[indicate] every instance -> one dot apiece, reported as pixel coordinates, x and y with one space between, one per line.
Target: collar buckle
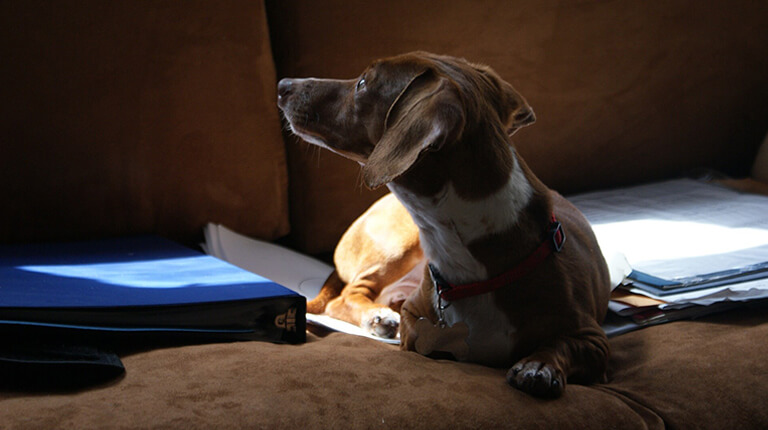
441 285
557 235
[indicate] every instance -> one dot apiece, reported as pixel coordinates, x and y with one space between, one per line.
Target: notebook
140 286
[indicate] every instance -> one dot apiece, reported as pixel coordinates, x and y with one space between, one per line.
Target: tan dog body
379 250
435 131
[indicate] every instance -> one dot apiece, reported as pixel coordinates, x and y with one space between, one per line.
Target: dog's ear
514 111
520 112
424 116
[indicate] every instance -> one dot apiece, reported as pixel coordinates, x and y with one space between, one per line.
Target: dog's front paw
381 322
537 378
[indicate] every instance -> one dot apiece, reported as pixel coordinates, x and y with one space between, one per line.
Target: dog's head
401 108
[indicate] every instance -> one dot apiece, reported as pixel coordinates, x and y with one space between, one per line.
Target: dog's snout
284 88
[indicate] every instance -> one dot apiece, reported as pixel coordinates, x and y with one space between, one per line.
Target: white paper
345 327
741 292
683 228
680 228
289 268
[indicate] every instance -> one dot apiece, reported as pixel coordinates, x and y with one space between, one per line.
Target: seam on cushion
651 418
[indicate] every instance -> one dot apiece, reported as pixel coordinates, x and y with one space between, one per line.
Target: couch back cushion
122 117
623 91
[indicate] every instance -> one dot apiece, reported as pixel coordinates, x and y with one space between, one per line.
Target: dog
513 277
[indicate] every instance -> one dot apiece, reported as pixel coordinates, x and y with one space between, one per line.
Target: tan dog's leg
379 248
330 290
356 304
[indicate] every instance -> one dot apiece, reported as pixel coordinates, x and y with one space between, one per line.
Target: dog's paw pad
382 322
536 378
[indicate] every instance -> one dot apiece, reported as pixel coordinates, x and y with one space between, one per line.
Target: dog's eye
360 84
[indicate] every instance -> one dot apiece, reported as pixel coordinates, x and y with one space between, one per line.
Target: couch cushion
126 117
709 373
695 374
623 91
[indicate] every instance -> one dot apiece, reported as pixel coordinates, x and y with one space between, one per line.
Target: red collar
555 238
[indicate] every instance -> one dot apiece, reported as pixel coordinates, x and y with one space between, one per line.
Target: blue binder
141 285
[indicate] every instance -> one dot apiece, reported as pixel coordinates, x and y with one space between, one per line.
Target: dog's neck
471 237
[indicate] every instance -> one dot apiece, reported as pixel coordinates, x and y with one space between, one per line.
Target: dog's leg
357 305
354 303
329 291
379 249
580 357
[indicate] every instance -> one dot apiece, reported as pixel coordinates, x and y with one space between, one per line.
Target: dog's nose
283 89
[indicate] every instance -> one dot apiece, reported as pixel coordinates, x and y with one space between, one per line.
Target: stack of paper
689 243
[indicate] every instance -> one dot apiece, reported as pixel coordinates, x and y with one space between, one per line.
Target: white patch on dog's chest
447 224
444 231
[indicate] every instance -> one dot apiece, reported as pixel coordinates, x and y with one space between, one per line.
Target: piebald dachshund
508 273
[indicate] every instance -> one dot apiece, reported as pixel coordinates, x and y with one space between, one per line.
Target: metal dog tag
442 338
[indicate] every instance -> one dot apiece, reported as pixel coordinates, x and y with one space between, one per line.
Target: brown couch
127 117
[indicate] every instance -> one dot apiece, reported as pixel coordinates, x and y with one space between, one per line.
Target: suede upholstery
121 117
700 374
125 117
623 91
